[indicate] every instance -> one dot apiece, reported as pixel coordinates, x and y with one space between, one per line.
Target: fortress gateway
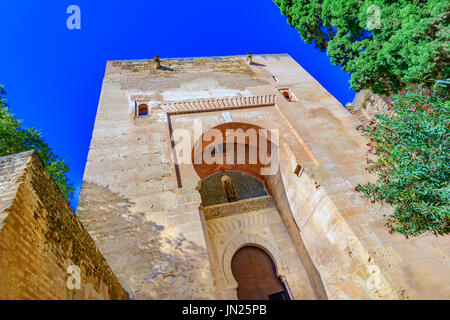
282 222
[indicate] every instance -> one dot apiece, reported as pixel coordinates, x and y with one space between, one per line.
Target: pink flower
399 139
425 106
413 109
389 106
368 150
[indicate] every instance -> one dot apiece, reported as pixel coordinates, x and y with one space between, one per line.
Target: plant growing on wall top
383 44
15 138
409 150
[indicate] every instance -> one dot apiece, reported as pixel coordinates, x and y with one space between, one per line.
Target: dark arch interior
238 186
255 273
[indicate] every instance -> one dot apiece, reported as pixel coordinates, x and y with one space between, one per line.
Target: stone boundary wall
366 104
42 243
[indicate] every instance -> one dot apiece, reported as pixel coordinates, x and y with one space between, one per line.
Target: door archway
256 276
277 154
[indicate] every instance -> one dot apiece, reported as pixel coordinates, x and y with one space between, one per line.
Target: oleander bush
409 150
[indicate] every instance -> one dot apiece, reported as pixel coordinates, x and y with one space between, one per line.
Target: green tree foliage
15 138
409 43
409 150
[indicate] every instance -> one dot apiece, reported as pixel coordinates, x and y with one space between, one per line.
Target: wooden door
255 274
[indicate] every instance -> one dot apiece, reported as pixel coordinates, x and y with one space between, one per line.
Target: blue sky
53 75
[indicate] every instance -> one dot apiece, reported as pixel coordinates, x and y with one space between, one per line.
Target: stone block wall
142 209
42 243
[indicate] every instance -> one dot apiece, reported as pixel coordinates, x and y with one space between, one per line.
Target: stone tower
172 224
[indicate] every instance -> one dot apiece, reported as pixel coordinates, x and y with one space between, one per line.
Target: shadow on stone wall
151 261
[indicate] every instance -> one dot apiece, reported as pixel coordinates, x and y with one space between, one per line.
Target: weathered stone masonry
40 237
146 214
168 230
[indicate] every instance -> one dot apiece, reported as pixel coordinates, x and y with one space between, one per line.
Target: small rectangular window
142 110
288 95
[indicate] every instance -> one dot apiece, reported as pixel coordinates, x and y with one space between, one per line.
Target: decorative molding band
238 207
240 222
209 105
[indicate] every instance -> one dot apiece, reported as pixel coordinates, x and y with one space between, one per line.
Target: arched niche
228 186
250 240
251 148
